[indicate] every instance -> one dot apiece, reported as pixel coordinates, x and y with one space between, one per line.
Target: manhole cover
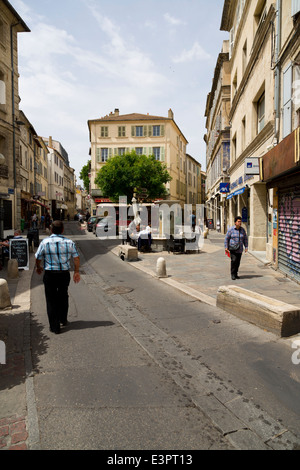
118 290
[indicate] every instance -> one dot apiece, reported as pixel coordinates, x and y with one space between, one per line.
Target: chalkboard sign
19 249
210 224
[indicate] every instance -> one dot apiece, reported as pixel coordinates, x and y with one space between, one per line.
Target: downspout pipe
277 67
13 118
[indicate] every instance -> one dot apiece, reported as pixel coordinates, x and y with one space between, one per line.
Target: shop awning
237 192
34 201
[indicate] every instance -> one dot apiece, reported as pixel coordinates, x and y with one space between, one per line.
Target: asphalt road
142 366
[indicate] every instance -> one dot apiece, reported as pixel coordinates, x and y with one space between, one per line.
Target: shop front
280 168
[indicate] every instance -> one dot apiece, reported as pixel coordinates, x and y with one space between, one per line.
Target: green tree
84 175
123 174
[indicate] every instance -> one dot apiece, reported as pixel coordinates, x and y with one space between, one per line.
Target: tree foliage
123 174
84 175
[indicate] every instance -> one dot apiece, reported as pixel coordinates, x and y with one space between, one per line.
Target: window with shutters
139 150
156 153
104 155
139 131
121 131
156 131
104 131
287 101
261 113
2 91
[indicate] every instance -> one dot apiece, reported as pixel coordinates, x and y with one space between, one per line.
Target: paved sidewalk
201 274
16 392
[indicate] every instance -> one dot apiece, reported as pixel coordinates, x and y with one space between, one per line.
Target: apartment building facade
11 24
264 126
33 171
117 134
280 166
217 139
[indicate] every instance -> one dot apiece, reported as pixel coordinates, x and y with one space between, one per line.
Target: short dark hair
238 218
57 227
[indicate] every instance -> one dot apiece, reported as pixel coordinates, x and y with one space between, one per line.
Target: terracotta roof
131 117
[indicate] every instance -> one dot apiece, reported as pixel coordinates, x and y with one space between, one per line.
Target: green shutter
98 155
150 151
144 151
150 131
162 154
162 131
109 153
132 131
145 131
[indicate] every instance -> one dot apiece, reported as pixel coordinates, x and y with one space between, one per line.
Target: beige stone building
33 171
149 135
69 191
217 139
280 165
10 177
264 126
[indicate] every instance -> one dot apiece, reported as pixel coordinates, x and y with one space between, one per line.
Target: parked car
107 226
95 224
90 223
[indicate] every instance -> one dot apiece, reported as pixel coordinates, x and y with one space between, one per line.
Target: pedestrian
56 252
235 239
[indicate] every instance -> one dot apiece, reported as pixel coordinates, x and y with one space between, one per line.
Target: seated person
134 232
145 239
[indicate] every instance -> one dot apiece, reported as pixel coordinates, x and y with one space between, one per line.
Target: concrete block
267 313
12 269
5 302
128 253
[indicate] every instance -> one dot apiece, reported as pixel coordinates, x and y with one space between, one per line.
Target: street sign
251 166
224 187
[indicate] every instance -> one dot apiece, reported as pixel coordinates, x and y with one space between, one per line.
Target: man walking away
235 239
56 252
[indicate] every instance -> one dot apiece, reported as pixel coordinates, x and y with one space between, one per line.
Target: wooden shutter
162 131
162 154
98 155
287 100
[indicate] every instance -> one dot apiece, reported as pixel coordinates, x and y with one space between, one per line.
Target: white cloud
196 53
172 20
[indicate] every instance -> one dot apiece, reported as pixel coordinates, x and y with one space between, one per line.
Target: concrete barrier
128 253
12 269
161 268
5 302
267 313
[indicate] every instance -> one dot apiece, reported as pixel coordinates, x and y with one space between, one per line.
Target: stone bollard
161 270
205 233
5 302
12 269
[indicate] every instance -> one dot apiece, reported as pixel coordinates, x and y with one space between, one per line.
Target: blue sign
224 187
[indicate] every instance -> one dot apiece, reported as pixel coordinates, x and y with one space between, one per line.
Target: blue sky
84 58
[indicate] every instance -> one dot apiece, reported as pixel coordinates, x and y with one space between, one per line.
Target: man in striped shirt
56 252
236 236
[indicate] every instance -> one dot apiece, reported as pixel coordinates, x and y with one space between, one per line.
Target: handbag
235 246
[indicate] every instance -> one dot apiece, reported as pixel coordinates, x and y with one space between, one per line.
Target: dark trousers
235 262
57 297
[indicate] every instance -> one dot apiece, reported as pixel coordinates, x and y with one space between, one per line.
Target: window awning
237 192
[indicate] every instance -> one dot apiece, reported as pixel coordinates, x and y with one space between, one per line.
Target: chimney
170 114
117 112
50 142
